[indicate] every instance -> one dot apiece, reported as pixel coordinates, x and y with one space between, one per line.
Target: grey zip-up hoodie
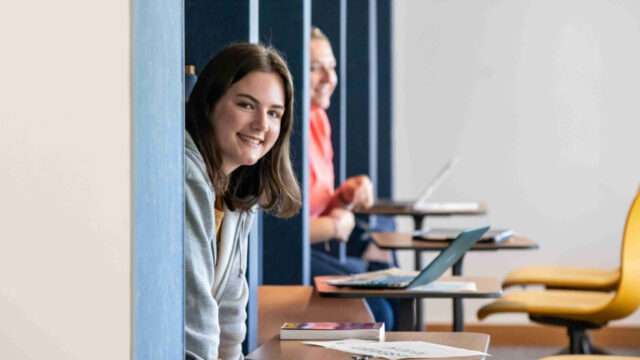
216 287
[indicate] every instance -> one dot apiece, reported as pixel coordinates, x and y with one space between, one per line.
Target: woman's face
246 119
323 73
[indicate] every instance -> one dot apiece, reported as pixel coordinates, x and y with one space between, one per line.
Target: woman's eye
274 114
245 105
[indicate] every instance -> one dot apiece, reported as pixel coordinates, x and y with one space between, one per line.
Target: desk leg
419 321
417 221
458 308
419 314
407 321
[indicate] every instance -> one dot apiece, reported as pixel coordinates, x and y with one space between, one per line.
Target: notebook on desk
447 257
421 202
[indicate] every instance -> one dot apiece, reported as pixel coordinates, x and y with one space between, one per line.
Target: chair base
579 340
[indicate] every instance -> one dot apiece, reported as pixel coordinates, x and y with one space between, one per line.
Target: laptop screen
448 256
444 171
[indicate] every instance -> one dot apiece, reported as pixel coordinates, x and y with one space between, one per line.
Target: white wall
540 101
65 174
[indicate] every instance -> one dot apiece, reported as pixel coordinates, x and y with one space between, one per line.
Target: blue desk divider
158 195
385 101
358 93
254 266
286 26
385 110
360 125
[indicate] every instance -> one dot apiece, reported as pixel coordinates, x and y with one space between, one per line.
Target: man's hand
357 191
343 222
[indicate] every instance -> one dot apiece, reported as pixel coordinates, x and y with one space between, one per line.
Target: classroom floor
537 352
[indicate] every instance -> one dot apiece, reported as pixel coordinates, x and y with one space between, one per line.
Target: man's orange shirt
320 161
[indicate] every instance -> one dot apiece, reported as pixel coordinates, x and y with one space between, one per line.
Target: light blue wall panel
158 143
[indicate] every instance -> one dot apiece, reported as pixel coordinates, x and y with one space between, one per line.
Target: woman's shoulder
195 168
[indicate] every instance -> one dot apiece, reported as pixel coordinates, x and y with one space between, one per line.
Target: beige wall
65 198
539 100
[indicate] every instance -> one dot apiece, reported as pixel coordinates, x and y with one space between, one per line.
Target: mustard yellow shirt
218 216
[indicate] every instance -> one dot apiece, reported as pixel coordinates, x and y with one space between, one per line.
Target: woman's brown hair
270 182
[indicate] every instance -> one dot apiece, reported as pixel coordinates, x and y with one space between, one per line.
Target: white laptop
421 203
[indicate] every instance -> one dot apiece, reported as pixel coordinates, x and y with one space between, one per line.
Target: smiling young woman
239 120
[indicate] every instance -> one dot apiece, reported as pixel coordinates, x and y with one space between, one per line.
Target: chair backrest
280 304
627 297
190 79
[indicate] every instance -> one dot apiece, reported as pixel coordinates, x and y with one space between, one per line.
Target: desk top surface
405 208
399 241
486 287
295 349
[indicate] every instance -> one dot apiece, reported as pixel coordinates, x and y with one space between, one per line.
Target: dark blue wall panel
158 195
325 14
211 25
286 26
358 87
385 97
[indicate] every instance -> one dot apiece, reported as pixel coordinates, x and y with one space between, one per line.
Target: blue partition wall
359 115
158 158
385 101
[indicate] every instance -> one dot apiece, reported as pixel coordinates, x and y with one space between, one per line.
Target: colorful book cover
331 326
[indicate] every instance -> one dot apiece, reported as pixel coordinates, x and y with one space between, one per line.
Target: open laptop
447 257
390 206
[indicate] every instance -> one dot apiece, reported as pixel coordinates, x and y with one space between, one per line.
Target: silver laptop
420 203
447 257
435 182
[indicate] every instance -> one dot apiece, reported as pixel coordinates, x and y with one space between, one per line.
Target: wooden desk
485 288
399 208
405 241
296 350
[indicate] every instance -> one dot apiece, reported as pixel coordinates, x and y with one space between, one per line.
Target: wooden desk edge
406 242
407 210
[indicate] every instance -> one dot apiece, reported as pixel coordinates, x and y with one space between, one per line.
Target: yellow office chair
279 304
590 357
559 277
581 310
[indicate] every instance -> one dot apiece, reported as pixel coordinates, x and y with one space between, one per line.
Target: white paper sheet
447 286
397 349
